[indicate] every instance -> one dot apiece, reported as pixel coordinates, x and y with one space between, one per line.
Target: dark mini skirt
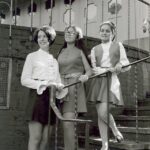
97 92
37 108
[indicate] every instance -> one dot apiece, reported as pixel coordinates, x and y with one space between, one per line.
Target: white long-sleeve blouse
40 69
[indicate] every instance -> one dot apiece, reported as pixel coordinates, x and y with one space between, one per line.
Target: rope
136 101
76 115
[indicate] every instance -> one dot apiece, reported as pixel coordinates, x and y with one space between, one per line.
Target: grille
5 81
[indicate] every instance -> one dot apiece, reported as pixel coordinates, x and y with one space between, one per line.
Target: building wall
129 19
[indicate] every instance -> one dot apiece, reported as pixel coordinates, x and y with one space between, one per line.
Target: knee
44 140
68 125
35 139
102 115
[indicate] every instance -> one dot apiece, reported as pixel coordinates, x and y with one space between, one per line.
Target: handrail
59 115
133 63
87 122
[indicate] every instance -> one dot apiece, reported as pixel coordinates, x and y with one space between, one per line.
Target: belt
71 75
39 79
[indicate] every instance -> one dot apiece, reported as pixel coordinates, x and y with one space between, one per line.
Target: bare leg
103 132
102 121
44 140
69 134
35 133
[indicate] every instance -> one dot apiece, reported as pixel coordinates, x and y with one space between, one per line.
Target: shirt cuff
41 87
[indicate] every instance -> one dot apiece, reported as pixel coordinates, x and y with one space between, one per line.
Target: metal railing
87 122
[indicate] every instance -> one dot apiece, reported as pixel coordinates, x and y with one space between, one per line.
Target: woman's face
43 40
70 35
105 33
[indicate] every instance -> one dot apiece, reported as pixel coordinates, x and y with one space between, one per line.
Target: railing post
87 126
49 113
108 99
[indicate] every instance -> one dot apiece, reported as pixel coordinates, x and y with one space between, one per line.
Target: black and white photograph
74 74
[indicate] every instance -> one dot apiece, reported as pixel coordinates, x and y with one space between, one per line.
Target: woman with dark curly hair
40 72
74 66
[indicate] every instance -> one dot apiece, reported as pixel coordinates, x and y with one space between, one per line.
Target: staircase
135 138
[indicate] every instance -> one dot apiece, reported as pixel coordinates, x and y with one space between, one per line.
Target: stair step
142 111
123 120
130 133
96 142
145 102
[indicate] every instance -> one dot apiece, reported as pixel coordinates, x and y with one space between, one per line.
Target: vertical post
70 12
102 10
87 136
51 13
51 95
116 12
86 23
31 15
10 28
128 23
11 5
108 99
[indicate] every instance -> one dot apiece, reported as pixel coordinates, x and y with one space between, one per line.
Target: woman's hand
83 78
60 87
117 69
98 70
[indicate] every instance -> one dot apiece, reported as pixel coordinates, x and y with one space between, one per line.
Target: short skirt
38 108
97 92
75 100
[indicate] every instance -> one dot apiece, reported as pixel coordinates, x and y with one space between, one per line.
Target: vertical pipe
116 12
102 10
31 16
15 12
10 29
86 23
70 12
128 23
51 13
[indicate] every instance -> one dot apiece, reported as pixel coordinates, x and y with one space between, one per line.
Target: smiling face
70 35
106 33
42 40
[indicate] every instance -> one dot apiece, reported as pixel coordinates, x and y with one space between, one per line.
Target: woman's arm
123 58
26 76
88 70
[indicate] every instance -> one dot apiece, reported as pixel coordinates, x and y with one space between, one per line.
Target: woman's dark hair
79 43
44 29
